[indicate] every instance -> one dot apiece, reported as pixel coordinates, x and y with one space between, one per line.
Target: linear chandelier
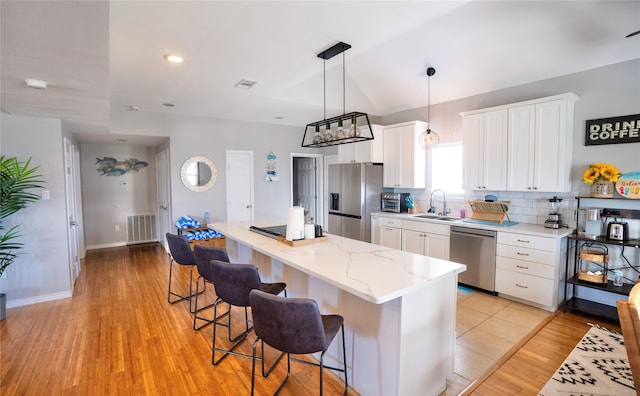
346 128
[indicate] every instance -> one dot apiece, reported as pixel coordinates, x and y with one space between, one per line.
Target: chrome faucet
432 207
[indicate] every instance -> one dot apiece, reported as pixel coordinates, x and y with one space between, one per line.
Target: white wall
211 138
41 273
106 200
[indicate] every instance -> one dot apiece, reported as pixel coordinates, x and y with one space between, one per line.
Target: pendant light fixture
350 128
429 139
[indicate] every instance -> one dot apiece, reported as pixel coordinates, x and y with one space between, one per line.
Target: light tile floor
487 327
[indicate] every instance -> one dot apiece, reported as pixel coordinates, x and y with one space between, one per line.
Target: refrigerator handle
334 203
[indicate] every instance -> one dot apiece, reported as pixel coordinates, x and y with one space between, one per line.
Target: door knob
249 206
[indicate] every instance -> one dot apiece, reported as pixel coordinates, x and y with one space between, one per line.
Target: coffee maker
555 219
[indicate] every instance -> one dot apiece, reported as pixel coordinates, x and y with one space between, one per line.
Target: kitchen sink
435 217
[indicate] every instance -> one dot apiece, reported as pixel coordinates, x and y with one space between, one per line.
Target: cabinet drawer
386 221
526 287
522 253
525 267
423 226
528 241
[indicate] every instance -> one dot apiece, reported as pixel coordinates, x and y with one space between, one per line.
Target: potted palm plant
16 179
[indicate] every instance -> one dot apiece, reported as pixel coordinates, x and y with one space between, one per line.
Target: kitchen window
446 168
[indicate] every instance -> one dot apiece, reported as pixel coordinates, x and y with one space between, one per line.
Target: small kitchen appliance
592 224
555 218
394 202
618 231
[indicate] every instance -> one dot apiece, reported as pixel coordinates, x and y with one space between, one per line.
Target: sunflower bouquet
601 172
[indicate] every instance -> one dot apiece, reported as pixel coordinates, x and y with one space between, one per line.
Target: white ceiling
101 57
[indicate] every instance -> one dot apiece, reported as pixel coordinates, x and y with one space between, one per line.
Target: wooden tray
218 242
302 242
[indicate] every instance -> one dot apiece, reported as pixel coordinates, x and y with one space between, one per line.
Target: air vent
245 84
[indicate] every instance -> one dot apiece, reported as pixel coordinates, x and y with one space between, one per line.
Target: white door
70 195
163 195
239 185
78 190
307 184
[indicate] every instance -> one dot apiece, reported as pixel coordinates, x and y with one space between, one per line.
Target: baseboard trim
107 245
34 300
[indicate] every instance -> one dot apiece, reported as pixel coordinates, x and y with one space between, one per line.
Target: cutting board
302 242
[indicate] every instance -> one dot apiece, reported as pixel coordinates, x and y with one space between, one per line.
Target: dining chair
203 256
294 326
233 283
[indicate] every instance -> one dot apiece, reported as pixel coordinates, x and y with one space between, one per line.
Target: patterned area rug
598 365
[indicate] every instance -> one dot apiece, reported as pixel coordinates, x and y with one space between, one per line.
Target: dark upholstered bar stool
180 253
203 256
294 325
233 283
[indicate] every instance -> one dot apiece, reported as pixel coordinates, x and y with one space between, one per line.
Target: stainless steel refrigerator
354 193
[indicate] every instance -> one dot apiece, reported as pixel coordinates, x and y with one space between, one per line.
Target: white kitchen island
399 308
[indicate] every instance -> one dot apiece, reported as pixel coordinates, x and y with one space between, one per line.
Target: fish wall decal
108 166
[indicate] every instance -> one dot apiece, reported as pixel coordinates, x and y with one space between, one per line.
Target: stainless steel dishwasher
477 249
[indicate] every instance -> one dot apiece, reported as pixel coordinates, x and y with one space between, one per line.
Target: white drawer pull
523 241
524 287
522 254
521 267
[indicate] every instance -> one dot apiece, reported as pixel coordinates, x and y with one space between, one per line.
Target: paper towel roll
295 224
309 231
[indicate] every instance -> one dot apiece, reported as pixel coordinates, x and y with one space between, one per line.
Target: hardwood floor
118 335
531 366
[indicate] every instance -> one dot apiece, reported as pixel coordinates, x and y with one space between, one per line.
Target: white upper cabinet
367 151
404 160
524 146
540 146
485 150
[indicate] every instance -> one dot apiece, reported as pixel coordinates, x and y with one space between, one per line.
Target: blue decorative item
271 164
109 166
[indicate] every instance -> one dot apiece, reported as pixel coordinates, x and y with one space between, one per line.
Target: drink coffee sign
614 130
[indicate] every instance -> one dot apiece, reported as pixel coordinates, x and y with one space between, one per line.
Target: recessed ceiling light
173 58
121 140
245 84
278 117
168 104
36 84
133 108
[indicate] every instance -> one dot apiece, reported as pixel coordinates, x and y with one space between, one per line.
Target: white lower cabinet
427 239
529 268
386 232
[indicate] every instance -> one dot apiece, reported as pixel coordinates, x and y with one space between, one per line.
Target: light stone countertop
520 228
374 273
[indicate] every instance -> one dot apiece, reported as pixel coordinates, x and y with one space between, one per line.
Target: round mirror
199 173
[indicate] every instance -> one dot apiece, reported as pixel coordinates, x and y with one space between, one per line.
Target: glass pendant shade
428 139
340 132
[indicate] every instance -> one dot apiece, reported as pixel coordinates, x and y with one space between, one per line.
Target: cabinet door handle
522 254
523 287
523 241
521 267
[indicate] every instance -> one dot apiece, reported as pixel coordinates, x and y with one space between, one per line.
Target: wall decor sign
628 185
109 166
614 130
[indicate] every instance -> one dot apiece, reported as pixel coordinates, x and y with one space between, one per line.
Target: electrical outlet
117 227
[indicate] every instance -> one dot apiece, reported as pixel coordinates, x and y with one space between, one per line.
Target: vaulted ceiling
101 58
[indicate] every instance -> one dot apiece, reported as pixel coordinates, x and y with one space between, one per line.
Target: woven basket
602 189
595 256
585 276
